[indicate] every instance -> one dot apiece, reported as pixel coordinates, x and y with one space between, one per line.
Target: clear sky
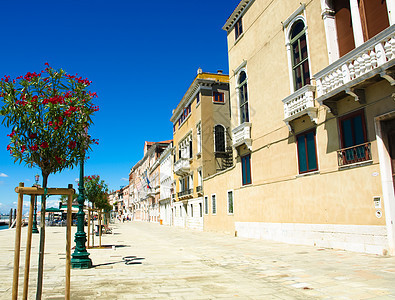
141 56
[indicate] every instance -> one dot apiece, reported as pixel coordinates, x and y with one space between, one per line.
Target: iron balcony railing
355 154
185 193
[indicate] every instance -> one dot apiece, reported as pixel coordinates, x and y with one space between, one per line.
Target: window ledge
246 185
197 104
239 38
356 165
307 174
217 102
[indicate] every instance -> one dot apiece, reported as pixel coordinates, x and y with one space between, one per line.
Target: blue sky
141 57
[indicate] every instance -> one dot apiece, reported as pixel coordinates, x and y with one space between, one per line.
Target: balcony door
391 143
352 16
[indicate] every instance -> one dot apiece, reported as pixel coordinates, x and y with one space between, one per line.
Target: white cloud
3 175
125 179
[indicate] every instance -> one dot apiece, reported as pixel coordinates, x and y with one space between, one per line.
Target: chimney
219 71
199 71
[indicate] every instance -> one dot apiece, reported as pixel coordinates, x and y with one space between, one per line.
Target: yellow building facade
202 144
312 121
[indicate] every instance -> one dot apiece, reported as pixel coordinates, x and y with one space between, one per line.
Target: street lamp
80 258
34 228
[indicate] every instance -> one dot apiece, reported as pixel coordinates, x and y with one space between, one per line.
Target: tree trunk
42 241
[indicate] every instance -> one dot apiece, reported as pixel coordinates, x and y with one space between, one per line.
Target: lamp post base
81 262
35 230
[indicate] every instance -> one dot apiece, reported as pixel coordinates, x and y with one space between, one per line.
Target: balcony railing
182 166
242 135
374 56
355 154
185 193
300 103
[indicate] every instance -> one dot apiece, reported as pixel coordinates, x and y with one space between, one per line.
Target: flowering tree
49 114
96 191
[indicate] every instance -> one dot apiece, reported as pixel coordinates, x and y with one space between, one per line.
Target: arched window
219 135
243 97
300 57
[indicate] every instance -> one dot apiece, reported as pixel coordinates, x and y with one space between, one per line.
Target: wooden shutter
374 17
345 35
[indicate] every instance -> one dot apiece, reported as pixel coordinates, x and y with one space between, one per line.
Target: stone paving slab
175 263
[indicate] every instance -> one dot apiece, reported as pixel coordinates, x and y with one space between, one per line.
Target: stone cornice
237 13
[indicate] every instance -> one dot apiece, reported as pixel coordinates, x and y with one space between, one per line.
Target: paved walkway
174 263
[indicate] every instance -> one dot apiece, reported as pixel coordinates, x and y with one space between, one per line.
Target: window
213 204
300 60
307 153
238 28
230 202
246 169
190 149
184 115
219 138
199 138
180 211
243 97
206 205
218 97
191 208
200 210
353 138
197 98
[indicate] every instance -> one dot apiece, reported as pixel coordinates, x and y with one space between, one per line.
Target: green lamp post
34 227
80 258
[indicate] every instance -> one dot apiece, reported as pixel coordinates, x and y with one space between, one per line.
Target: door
391 143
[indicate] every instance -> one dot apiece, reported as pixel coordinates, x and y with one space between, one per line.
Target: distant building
202 145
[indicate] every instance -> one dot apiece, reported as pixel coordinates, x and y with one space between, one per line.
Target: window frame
350 116
238 28
299 65
305 133
215 139
245 103
206 205
214 204
243 166
298 15
233 201
216 93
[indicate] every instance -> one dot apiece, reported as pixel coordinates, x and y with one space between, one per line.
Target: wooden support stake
89 225
17 245
28 248
100 228
68 244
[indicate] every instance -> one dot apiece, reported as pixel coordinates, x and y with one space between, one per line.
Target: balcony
375 58
199 190
185 194
242 135
355 154
182 166
300 103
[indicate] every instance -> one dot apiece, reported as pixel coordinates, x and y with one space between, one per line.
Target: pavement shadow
127 260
